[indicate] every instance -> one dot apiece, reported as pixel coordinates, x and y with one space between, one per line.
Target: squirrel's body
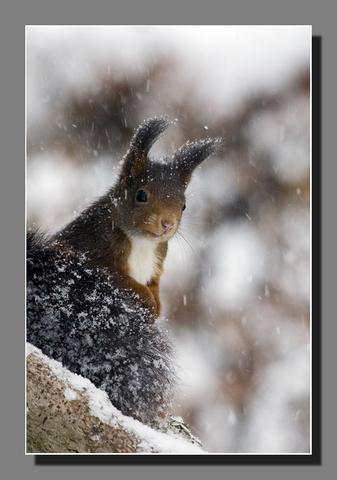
93 288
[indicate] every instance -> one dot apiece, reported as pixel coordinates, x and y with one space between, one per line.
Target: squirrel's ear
146 134
191 154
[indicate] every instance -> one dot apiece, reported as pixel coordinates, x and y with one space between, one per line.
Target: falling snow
236 282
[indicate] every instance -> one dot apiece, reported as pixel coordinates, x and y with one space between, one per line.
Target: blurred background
236 287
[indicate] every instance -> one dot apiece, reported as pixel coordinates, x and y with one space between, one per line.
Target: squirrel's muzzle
167 225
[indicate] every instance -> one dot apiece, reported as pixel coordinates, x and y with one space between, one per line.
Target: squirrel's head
151 195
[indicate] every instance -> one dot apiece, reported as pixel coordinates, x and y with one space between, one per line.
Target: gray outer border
13 463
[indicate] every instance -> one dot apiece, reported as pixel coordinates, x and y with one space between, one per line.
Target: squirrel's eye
141 196
184 207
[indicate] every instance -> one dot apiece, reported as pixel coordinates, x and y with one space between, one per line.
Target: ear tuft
135 160
148 132
191 154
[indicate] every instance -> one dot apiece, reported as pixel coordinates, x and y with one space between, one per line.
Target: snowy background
236 291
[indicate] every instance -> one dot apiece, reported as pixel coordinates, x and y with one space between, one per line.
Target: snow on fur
77 316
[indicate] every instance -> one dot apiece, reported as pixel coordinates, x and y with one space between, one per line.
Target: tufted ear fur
135 160
191 154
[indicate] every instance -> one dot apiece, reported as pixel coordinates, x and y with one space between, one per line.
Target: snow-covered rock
66 413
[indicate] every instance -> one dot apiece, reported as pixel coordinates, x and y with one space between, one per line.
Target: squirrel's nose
167 225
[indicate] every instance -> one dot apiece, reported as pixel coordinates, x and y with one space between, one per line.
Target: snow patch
70 394
101 407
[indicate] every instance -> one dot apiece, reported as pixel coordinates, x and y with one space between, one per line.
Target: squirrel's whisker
187 242
193 237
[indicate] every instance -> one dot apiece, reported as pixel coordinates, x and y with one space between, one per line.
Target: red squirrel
93 288
127 230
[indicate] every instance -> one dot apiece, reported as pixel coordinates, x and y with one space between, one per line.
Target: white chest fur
142 261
